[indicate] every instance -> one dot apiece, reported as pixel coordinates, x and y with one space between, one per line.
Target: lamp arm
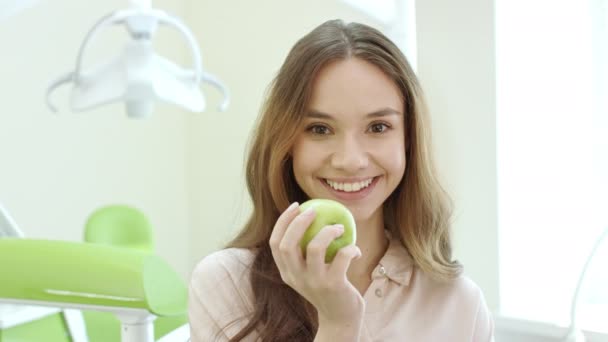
108 19
209 78
189 36
573 307
65 78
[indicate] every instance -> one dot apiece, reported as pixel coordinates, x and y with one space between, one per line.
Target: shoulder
459 300
464 299
460 294
220 297
233 262
483 328
461 286
466 287
224 274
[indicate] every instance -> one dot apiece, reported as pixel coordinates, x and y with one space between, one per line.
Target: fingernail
292 206
340 228
309 212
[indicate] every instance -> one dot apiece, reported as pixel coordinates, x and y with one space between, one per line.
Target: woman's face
352 144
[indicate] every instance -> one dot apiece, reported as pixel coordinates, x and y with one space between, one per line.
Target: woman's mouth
349 187
350 190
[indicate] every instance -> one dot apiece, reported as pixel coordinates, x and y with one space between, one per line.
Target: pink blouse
402 302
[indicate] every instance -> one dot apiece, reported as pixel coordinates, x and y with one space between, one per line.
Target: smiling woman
345 120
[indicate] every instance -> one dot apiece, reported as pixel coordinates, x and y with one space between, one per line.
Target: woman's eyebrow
315 114
384 112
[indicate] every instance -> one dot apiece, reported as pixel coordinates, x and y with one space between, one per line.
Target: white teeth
349 187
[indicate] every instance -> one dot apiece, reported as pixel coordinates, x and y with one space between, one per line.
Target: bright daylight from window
552 131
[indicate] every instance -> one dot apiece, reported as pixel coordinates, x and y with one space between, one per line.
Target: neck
372 241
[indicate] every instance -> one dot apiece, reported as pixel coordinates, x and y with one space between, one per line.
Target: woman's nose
350 155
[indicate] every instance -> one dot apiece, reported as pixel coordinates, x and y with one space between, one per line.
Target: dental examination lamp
138 76
136 287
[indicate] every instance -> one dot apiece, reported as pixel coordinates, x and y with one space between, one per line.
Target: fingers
279 230
281 225
289 247
343 259
317 247
285 238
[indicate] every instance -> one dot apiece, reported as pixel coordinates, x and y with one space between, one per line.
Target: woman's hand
339 304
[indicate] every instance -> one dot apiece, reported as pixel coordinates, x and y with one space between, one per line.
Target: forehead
353 87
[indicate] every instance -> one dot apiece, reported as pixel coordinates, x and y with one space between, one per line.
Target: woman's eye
318 129
379 127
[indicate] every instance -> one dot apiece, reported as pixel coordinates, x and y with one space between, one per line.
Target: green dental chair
135 286
124 226
79 322
121 226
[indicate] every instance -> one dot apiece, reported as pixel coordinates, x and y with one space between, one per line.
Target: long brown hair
417 213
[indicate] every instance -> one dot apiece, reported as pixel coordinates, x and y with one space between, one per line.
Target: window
552 138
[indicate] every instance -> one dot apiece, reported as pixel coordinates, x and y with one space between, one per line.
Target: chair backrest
133 285
83 273
120 225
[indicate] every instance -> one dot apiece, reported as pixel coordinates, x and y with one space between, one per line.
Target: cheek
303 162
398 164
394 159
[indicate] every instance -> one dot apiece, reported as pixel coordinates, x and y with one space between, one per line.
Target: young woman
345 120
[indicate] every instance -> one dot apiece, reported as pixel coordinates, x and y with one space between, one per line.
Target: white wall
56 169
456 65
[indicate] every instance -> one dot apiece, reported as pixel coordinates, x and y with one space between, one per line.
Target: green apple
328 213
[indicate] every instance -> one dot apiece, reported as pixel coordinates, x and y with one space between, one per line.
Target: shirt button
378 293
382 271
